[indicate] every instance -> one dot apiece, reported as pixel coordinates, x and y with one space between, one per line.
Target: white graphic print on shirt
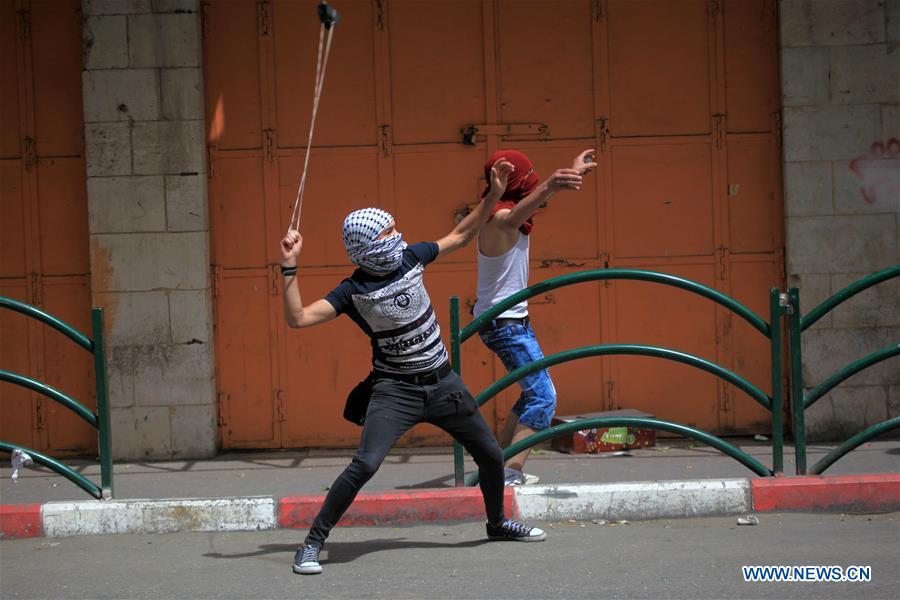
406 336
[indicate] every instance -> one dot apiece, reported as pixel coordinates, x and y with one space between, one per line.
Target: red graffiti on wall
879 171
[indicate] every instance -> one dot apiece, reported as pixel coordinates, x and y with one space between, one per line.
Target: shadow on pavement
344 552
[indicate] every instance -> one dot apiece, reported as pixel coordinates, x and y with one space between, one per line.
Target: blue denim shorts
516 346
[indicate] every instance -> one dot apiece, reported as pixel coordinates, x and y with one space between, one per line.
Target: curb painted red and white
616 501
841 493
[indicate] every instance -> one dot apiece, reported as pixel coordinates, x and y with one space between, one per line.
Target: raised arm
296 314
465 231
561 179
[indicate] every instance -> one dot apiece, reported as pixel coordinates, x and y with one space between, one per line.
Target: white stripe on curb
634 501
158 516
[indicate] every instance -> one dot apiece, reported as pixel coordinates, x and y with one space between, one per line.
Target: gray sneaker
306 560
516 477
513 477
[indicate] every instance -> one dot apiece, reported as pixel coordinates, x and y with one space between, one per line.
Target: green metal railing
802 400
771 330
99 420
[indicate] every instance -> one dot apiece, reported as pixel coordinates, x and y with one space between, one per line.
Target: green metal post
799 421
455 361
775 343
103 421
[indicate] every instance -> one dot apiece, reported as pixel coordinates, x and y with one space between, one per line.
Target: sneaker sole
534 538
307 570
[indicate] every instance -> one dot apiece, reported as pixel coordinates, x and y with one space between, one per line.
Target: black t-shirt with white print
396 313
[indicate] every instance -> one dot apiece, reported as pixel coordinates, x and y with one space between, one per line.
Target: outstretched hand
564 179
500 173
584 162
290 247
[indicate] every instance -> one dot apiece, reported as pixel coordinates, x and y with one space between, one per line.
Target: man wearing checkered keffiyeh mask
360 232
411 380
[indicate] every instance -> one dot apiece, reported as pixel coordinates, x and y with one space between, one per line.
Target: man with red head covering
503 245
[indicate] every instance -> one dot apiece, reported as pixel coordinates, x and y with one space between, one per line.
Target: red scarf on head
521 183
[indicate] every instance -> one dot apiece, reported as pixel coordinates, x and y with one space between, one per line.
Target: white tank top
499 277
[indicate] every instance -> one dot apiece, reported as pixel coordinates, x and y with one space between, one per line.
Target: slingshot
329 18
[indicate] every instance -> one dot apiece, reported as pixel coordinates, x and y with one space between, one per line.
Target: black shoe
306 560
514 531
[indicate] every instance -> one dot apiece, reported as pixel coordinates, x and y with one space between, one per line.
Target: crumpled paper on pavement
20 459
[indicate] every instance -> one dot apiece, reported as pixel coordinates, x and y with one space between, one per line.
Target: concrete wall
149 225
840 63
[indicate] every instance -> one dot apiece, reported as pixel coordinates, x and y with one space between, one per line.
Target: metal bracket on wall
785 302
559 262
509 131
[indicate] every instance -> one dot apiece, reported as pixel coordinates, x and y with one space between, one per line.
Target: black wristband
288 271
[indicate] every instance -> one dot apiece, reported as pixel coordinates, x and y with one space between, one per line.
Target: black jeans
395 407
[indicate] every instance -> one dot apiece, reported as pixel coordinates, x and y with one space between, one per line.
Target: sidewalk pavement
264 490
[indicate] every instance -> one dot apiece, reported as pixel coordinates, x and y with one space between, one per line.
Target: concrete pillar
841 92
149 225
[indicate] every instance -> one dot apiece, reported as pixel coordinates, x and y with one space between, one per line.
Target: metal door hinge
726 400
597 9
29 153
719 127
379 15
204 19
40 414
723 270
777 128
263 18
221 401
779 256
36 285
545 299
216 281
210 154
603 132
24 23
715 7
274 275
270 144
384 140
279 405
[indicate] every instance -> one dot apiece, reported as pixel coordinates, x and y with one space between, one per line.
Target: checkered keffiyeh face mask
361 227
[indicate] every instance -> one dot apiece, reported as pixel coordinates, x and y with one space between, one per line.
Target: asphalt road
690 558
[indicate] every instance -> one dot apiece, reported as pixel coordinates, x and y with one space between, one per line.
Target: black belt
428 378
498 323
